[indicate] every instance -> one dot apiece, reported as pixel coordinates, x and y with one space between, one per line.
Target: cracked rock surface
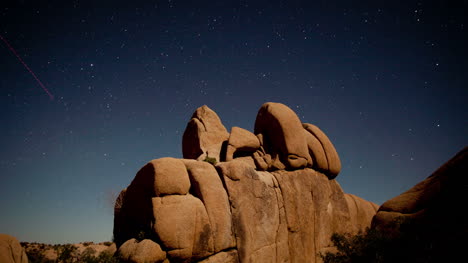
273 199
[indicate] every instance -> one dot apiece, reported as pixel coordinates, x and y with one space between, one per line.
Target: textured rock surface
11 250
283 136
183 227
134 215
428 203
145 251
273 199
170 177
257 213
241 141
283 216
361 212
315 207
204 135
207 186
333 160
317 153
223 257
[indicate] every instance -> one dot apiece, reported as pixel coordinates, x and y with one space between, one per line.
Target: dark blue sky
385 80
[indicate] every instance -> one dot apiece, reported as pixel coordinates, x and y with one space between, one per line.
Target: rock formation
141 252
11 250
204 135
267 196
429 203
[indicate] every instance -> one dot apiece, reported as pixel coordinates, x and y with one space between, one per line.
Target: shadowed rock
333 166
207 186
204 135
283 136
241 143
429 202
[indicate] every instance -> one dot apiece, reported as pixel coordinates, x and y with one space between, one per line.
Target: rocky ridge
267 196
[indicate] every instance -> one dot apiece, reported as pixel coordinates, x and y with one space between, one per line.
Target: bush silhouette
66 253
408 241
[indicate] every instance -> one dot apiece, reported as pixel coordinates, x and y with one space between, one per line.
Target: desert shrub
211 160
363 247
413 242
66 253
104 257
142 235
107 243
87 243
87 255
35 256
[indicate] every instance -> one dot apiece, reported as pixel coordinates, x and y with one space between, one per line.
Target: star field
385 81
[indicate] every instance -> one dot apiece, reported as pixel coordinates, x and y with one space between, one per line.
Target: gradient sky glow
385 80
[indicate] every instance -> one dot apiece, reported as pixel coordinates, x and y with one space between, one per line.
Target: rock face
428 203
204 135
11 250
282 136
331 164
141 252
241 142
270 197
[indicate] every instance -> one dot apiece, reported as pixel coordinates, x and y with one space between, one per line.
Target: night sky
385 80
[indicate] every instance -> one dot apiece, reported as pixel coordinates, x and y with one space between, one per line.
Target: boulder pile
238 196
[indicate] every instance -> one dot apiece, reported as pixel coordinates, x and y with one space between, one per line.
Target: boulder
207 186
111 249
241 142
317 153
361 212
159 177
333 160
182 225
11 250
428 203
145 251
120 222
204 135
283 137
170 177
261 161
247 160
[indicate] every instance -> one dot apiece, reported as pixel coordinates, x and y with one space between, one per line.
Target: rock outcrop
431 202
267 196
204 135
282 137
11 250
141 252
